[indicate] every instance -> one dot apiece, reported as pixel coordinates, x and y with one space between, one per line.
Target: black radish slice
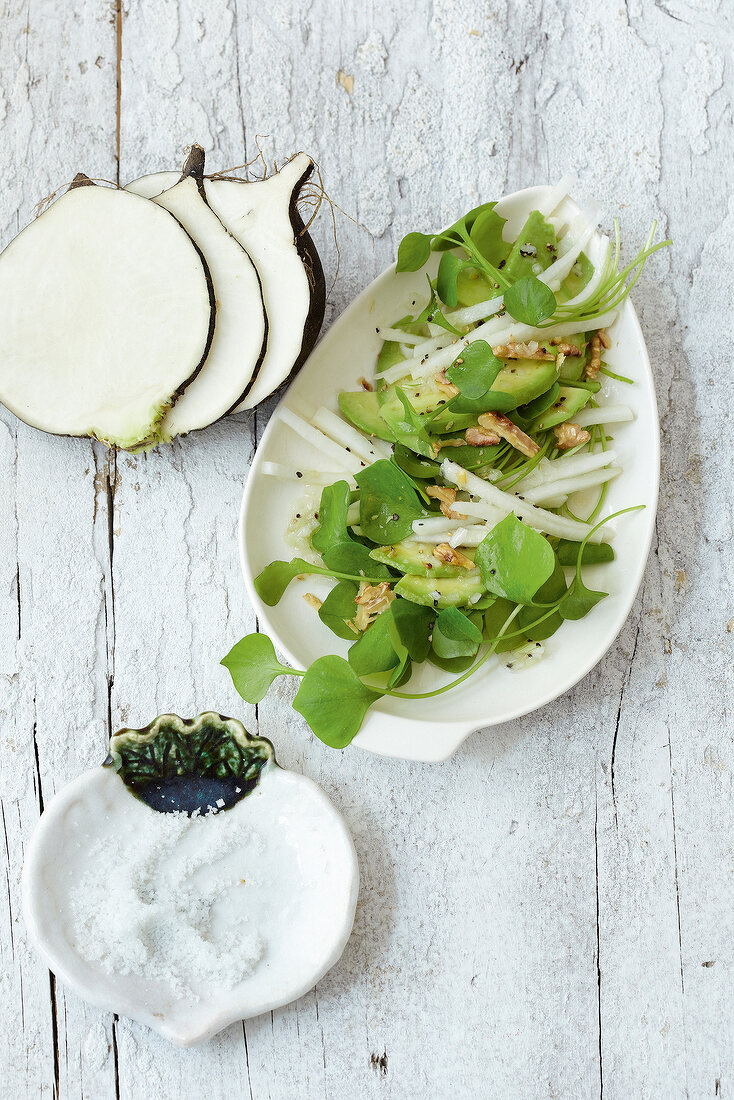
149 187
240 326
106 314
264 218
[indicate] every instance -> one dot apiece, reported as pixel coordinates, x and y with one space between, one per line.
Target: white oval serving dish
303 899
432 729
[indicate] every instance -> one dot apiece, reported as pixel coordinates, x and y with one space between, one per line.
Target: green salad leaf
333 700
388 503
455 635
374 650
474 370
253 666
530 301
412 624
413 251
486 235
338 607
514 560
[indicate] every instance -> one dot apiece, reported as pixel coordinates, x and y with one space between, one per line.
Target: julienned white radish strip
467 315
320 441
566 486
536 517
105 316
514 331
432 344
438 525
239 338
609 414
556 195
353 514
469 535
547 472
342 432
397 336
556 501
310 477
598 274
497 500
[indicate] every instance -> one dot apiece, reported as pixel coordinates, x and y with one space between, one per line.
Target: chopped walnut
564 348
479 437
593 367
496 422
606 343
451 556
371 601
444 385
312 600
569 435
446 495
521 351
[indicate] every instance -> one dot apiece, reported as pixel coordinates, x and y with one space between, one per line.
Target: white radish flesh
105 314
492 500
547 472
609 414
565 486
240 327
332 425
259 216
319 441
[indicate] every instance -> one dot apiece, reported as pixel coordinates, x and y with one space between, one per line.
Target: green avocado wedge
441 592
417 559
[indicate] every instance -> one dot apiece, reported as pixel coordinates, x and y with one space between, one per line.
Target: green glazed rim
209 746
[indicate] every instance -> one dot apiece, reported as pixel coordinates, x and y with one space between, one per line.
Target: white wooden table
551 912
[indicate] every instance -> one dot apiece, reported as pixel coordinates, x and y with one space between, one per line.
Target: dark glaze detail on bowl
189 765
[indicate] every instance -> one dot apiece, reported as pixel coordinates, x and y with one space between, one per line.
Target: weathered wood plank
535 913
57 116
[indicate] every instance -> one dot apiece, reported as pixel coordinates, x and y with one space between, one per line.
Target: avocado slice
417 559
362 409
472 287
525 379
570 401
572 367
441 592
425 398
536 244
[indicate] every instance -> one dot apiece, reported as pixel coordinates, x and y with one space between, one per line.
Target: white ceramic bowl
432 729
301 892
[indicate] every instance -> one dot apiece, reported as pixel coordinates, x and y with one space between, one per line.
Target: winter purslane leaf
333 700
514 560
253 666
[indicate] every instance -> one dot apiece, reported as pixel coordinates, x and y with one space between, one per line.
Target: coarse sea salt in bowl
190 881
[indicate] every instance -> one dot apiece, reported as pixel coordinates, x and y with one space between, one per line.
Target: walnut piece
565 348
371 601
521 351
312 600
446 495
593 367
496 422
480 437
569 435
451 556
444 385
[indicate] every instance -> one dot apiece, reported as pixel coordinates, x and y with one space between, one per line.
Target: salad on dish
457 519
